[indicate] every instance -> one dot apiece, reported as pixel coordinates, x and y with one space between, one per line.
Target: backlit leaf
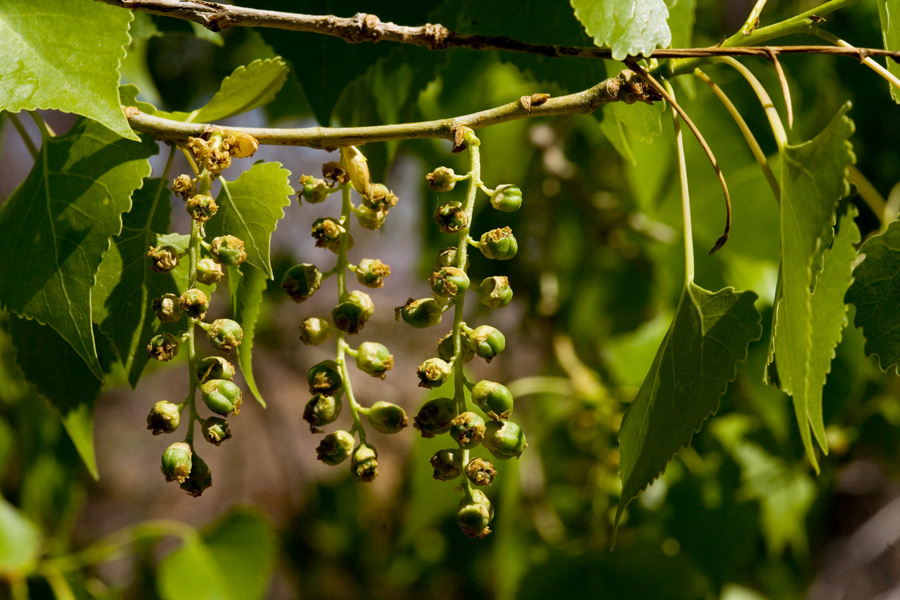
627 27
246 285
889 13
20 542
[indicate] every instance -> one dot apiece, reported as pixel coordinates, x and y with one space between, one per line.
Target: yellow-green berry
435 416
201 207
164 417
379 198
447 464
442 179
200 478
421 313
313 190
371 272
214 367
451 217
504 439
433 373
374 358
493 398
194 303
301 281
364 463
176 462
221 396
314 331
321 410
487 342
353 314
467 430
480 472
328 233
335 448
495 292
228 250
209 271
324 378
387 418
449 282
163 347
215 430
369 218
499 244
225 334
474 514
167 308
507 198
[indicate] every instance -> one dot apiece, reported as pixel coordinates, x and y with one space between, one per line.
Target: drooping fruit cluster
212 375
329 380
491 429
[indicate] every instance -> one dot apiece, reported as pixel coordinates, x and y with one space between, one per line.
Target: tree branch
364 27
626 87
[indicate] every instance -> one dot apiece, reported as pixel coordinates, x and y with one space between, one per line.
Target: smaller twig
764 99
685 195
26 139
864 55
752 21
709 153
785 90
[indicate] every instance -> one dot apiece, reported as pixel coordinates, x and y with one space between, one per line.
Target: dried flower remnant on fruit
474 514
225 334
215 430
321 410
499 244
184 186
163 347
504 439
335 173
451 217
300 282
353 314
176 462
328 233
209 272
324 378
194 303
221 396
313 189
493 398
201 207
449 282
379 198
199 480
228 250
164 417
335 448
487 342
467 430
369 218
480 472
371 272
433 373
163 258
386 417
442 179
364 463
167 308
214 367
495 292
314 331
447 464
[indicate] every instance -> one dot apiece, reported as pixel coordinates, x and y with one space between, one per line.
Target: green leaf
246 286
51 365
250 207
246 88
231 560
627 27
681 22
813 180
57 225
125 288
70 62
623 121
889 14
20 542
697 359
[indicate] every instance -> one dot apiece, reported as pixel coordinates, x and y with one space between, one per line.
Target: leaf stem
26 139
752 21
685 196
887 75
764 99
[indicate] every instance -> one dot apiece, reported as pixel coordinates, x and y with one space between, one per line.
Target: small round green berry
507 198
421 313
321 410
467 429
215 430
449 282
163 347
371 272
387 418
379 198
499 244
433 373
451 217
435 416
176 462
228 250
167 308
480 472
221 396
209 271
184 186
493 398
442 179
214 367
445 347
201 207
447 258
315 331
364 463
447 464
353 314
324 378
374 359
369 218
195 303
225 334
163 258
313 190
474 514
504 439
495 292
200 478
164 417
487 342
335 448
328 233
301 281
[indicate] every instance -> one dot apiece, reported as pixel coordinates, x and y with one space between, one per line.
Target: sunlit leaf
20 542
627 27
69 63
622 122
246 285
57 225
697 359
889 13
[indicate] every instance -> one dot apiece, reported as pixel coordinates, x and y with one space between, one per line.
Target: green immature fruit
194 303
167 308
451 217
442 179
221 396
379 198
364 463
447 258
421 313
199 480
163 258
354 163
474 514
209 271
324 378
499 244
487 342
176 462
301 281
201 207
371 272
447 464
225 334
369 218
507 198
445 347
164 417
493 398
449 282
480 472
433 373
374 359
163 347
215 430
504 439
335 448
214 367
336 173
467 429
315 331
353 314
228 250
321 410
387 418
184 186
328 233
313 190
495 292
435 416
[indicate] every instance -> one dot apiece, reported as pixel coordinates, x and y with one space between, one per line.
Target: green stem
46 132
752 21
58 584
355 408
868 61
685 197
26 139
19 589
764 99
